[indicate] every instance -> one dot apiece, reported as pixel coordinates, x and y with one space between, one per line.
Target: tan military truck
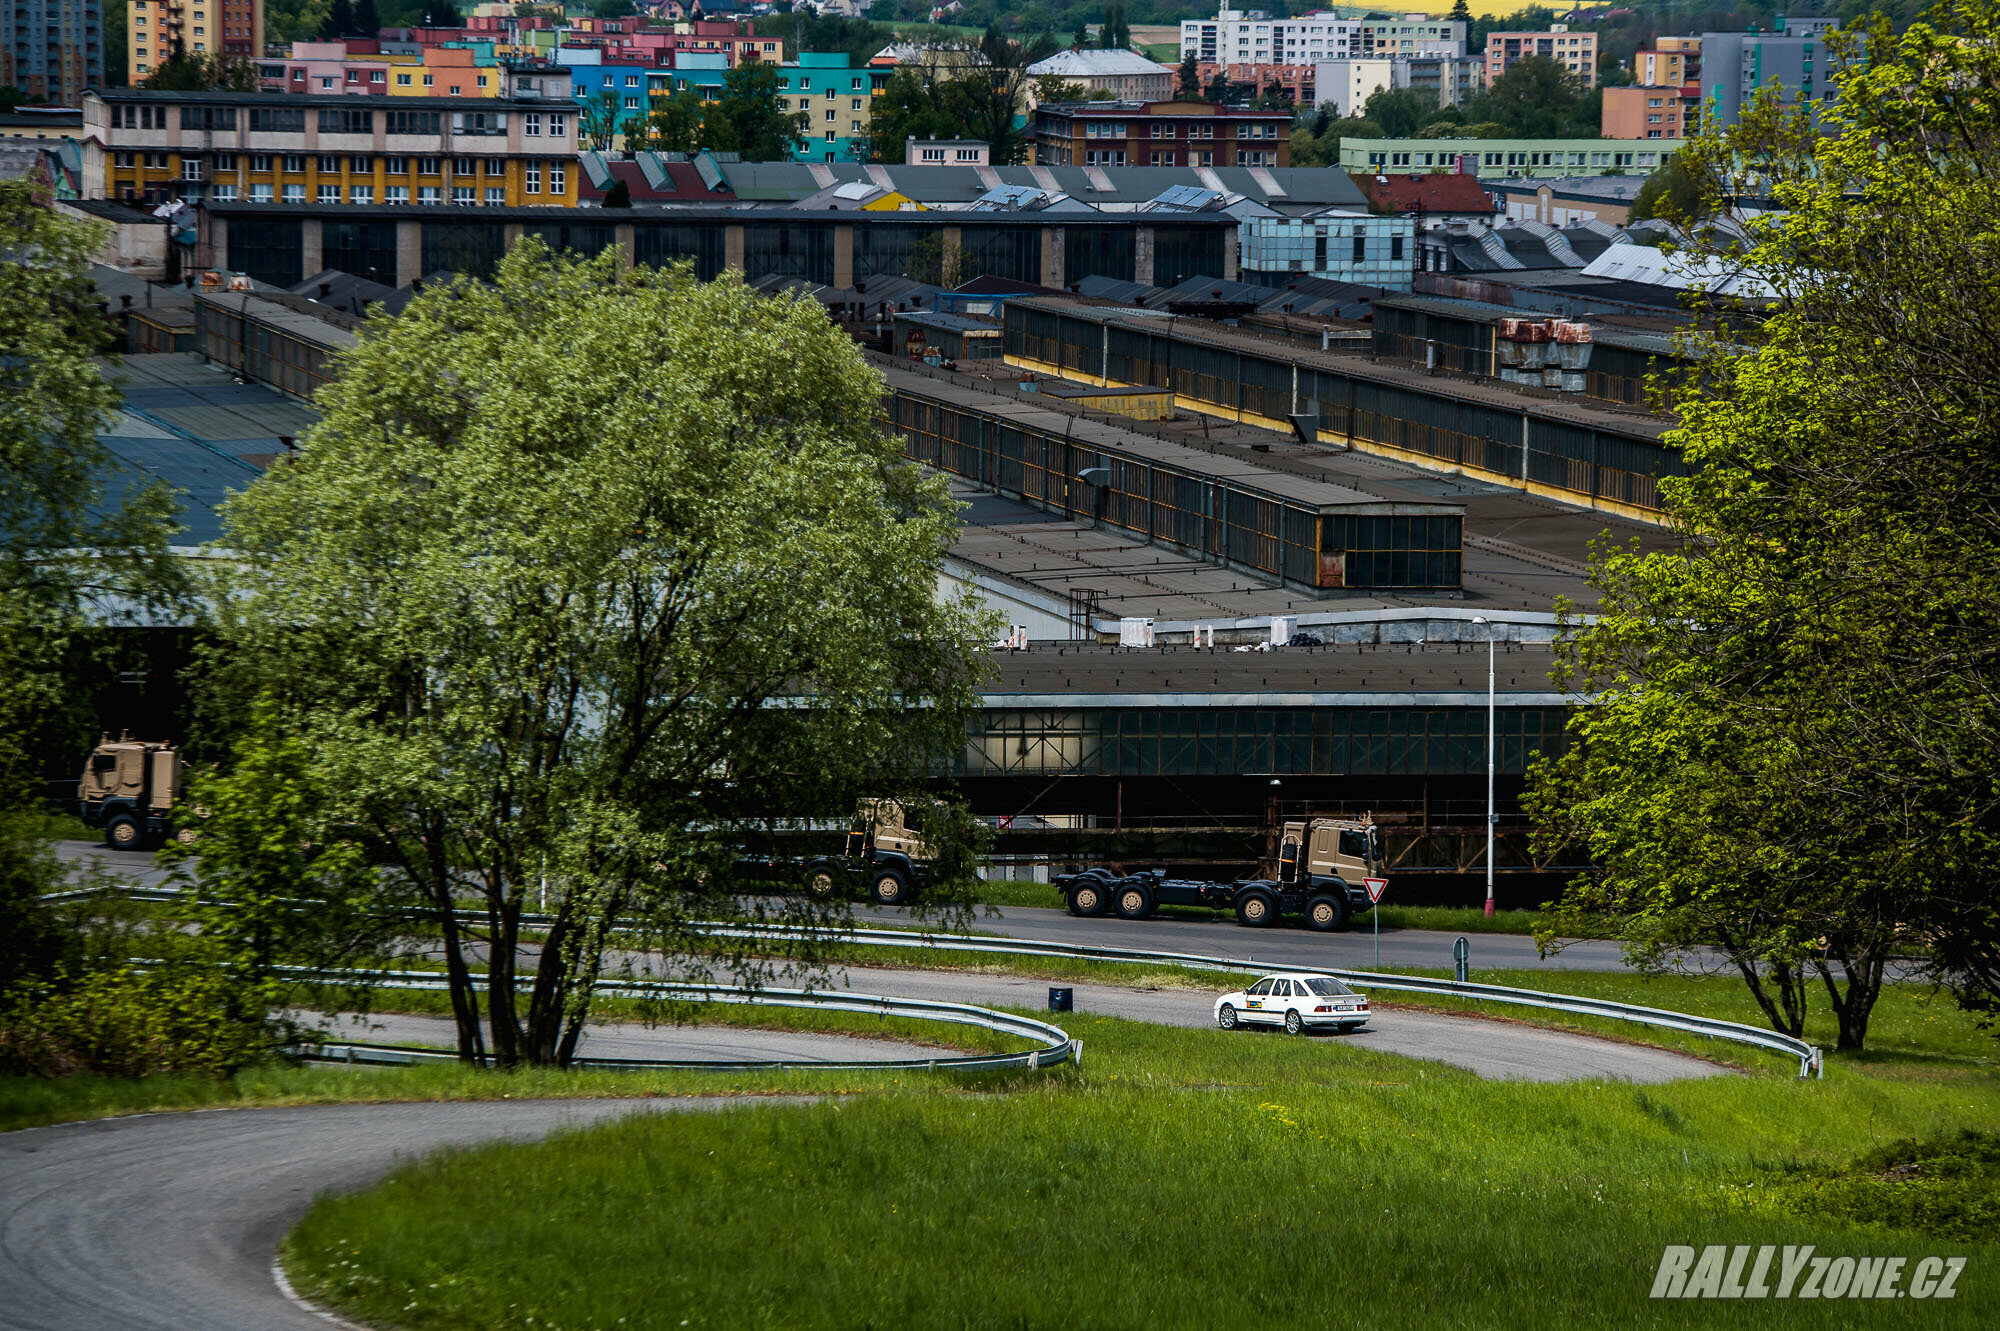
1321 873
881 851
129 788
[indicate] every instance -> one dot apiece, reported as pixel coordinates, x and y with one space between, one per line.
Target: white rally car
1295 1000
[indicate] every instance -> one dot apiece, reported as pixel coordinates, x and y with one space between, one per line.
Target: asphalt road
1290 944
169 1222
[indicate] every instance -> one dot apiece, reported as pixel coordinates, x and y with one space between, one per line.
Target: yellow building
288 148
200 27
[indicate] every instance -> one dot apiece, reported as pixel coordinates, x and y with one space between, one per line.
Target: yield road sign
1376 887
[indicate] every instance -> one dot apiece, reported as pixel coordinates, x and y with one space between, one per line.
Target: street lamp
1491 816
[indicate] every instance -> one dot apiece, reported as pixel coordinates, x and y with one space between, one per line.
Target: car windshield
1327 988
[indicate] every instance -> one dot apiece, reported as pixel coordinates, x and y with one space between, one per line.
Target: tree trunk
1864 986
464 995
504 920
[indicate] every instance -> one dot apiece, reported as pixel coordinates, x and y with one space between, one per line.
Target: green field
1180 1178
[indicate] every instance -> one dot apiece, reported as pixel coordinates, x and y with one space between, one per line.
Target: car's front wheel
1226 1018
1294 1023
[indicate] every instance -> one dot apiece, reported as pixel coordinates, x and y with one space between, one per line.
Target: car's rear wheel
1294 1023
1226 1018
1255 909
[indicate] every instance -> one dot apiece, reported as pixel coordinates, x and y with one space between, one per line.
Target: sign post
1376 887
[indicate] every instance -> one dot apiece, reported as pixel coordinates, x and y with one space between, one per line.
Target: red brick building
1159 134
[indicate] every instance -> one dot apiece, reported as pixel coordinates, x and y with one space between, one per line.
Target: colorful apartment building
52 49
1574 51
226 147
835 100
153 28
1650 113
1158 134
360 67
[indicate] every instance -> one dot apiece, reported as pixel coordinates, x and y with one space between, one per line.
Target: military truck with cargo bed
129 788
1321 874
882 855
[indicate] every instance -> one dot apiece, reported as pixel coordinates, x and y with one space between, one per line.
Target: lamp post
1491 816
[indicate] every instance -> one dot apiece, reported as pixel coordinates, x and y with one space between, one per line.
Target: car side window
1260 988
1284 989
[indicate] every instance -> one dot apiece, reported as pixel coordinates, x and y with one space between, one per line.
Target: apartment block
1502 158
1345 86
834 99
154 28
289 148
1650 113
52 49
1735 66
1670 62
1574 51
1194 134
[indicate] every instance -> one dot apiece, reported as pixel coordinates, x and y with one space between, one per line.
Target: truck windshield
1327 987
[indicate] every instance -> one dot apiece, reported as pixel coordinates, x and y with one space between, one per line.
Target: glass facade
471 248
661 245
267 249
1256 741
363 249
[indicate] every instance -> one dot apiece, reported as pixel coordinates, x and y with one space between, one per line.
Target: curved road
698 1044
168 1222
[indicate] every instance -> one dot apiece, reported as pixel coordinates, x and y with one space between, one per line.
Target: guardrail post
1461 957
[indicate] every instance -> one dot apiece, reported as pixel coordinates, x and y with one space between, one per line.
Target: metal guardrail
1055 1046
1810 1059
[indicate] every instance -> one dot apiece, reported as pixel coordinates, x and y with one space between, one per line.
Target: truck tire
124 833
891 887
1256 909
1226 1018
1294 1023
1089 898
1134 902
1326 912
821 883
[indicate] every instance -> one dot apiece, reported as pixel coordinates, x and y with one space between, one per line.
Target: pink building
1650 113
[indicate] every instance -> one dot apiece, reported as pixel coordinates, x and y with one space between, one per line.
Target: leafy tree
182 72
749 119
1795 754
367 22
618 196
599 120
1671 192
65 492
1218 90
1537 99
1461 12
1399 111
1187 85
1114 34
674 125
612 8
539 589
442 14
339 20
1055 88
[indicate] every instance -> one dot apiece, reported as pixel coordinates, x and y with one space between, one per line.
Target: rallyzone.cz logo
1722 1272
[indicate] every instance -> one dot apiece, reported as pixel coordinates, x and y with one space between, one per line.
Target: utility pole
1492 817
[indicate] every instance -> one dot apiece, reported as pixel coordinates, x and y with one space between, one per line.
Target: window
453 90
558 178
361 165
354 76
430 80
329 194
631 80
430 166
428 123
190 168
326 82
260 161
225 161
531 125
396 194
482 80
295 163
329 166
558 127
832 115
225 194
396 166
496 166
402 80
1360 245
362 194
429 194
347 122
125 159
461 194
461 166
495 195
1395 248
532 184
260 194
295 194
277 120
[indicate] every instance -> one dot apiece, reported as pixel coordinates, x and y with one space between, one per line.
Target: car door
1282 1001
1256 999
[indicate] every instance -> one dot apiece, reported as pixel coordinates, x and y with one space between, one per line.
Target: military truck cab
1322 865
881 851
129 788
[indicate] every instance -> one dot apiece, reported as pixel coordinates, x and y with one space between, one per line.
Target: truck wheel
1256 909
1134 903
1326 913
1294 1023
1088 899
1226 1018
820 882
891 888
123 833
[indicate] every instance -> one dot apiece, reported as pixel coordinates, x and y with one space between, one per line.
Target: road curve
169 1222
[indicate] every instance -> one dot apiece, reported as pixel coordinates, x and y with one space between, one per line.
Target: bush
131 1021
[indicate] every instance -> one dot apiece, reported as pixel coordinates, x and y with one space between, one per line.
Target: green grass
1180 1178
